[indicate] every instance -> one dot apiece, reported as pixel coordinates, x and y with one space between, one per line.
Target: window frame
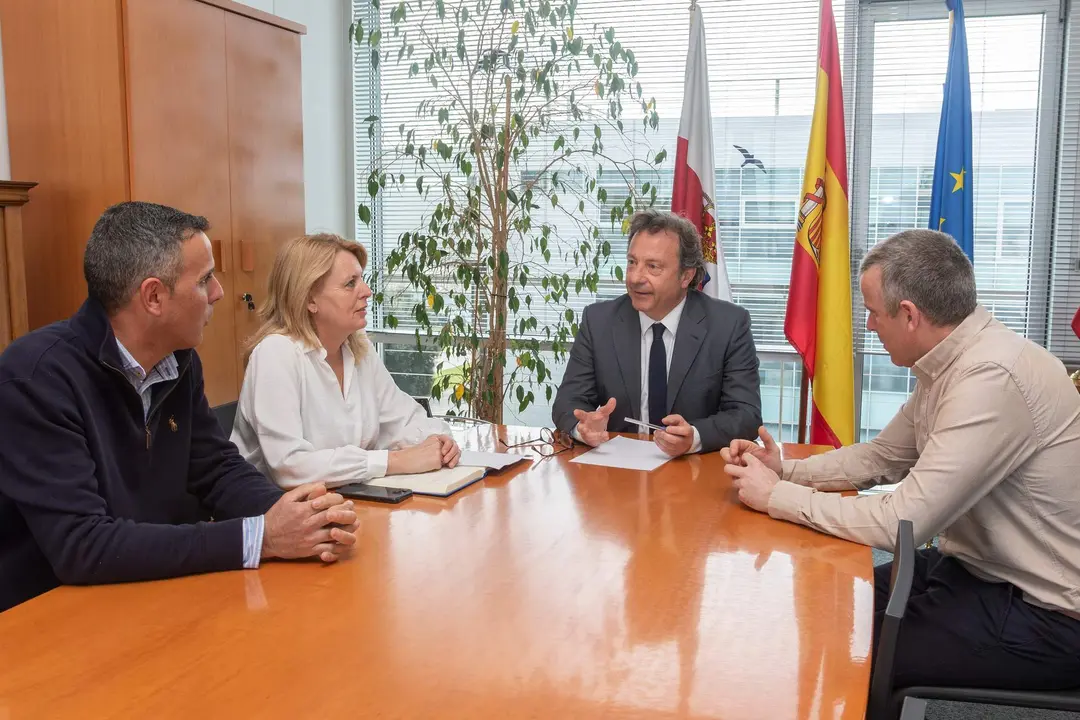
870 13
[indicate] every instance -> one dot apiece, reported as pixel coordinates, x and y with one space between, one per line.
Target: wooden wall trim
256 14
14 319
15 193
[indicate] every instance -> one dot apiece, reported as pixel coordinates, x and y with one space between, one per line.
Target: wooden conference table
555 590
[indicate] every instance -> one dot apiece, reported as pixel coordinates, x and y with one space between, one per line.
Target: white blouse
296 424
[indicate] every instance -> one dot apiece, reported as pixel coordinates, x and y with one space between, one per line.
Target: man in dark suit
662 353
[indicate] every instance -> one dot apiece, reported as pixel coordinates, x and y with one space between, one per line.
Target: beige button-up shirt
988 451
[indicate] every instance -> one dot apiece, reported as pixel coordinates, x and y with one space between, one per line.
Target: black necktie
657 376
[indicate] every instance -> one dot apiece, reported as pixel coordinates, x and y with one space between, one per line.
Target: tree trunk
493 349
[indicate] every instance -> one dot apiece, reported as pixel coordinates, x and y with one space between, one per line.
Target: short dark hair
928 269
690 253
133 241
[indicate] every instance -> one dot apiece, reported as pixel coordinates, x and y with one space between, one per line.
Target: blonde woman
317 403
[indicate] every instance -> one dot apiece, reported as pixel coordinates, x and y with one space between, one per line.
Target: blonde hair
300 269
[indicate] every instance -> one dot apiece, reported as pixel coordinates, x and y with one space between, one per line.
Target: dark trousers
960 631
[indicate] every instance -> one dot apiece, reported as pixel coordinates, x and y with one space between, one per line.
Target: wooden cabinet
13 321
190 103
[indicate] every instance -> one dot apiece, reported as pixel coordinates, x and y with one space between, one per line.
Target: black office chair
912 700
890 703
903 573
424 403
225 415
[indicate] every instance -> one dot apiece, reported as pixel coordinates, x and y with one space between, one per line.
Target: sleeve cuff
576 435
788 500
377 460
253 539
696 446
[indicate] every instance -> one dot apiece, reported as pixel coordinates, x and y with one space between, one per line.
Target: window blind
1065 281
902 60
762 69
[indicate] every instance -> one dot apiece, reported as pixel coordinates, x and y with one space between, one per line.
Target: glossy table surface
549 590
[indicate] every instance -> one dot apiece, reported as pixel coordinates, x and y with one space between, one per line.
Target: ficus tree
526 158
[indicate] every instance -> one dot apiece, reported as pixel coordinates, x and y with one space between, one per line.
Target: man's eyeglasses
549 444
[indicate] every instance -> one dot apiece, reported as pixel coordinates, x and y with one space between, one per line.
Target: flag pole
804 392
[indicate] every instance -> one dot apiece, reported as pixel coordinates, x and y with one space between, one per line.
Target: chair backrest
903 573
424 403
226 414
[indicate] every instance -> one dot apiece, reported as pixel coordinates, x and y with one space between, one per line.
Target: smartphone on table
374 493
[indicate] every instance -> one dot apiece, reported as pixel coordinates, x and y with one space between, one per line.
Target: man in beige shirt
987 453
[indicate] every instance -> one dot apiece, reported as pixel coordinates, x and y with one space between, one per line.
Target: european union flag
951 202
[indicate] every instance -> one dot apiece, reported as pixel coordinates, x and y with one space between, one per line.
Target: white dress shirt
671 326
296 424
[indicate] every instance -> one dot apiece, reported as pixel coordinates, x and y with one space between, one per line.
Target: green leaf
375 59
618 273
554 199
391 322
660 157
569 315
420 185
373 186
374 38
358 32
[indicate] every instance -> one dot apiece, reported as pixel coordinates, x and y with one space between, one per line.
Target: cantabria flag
695 181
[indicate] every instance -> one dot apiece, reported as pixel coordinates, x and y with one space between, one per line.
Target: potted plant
528 165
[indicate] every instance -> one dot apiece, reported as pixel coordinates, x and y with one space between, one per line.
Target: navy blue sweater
89 492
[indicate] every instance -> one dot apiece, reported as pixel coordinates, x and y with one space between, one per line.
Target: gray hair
928 269
690 255
133 241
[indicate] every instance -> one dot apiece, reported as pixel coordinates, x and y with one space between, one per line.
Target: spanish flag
818 320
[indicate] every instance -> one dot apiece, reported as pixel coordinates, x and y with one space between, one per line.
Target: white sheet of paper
493 460
625 453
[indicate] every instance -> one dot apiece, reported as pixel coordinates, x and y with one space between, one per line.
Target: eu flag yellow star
959 178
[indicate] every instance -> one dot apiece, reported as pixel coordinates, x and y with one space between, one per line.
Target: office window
762 65
903 62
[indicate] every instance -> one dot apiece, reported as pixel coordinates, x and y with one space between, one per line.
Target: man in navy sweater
112 465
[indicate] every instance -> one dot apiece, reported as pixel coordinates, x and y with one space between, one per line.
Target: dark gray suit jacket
713 381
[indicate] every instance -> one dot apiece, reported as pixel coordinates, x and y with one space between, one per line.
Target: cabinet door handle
246 298
247 256
221 258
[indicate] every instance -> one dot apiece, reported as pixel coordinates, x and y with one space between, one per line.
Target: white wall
326 57
5 158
